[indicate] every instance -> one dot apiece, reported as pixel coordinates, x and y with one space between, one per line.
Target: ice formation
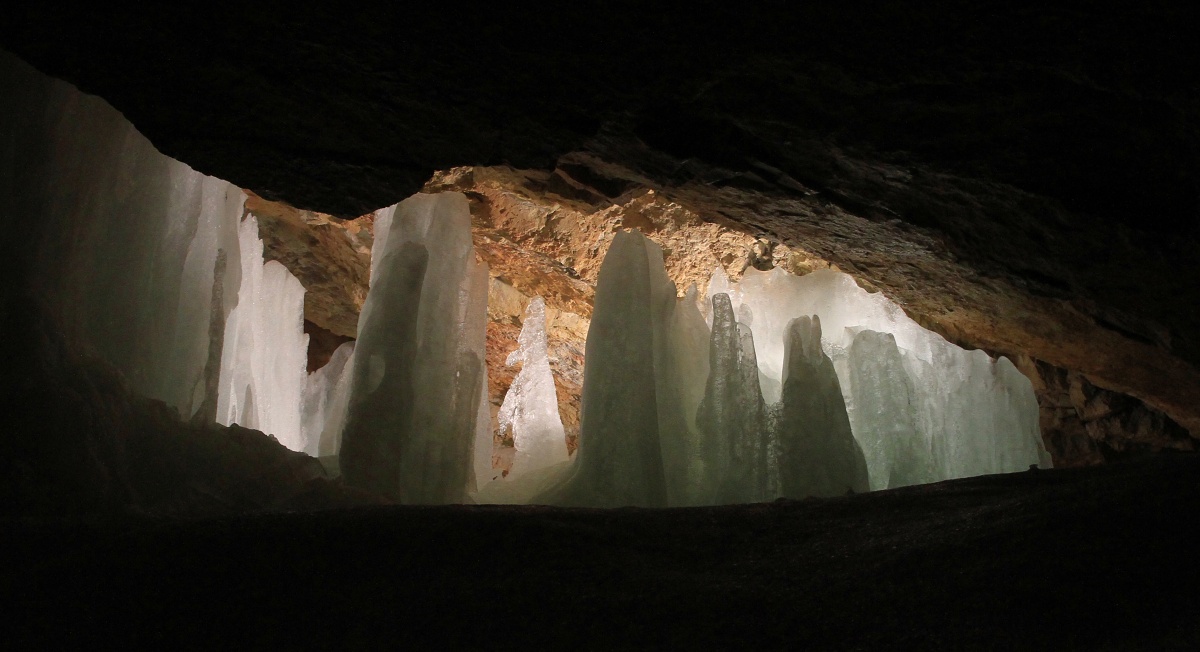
794 386
131 244
644 379
818 455
738 451
812 387
414 403
265 352
960 413
323 397
530 407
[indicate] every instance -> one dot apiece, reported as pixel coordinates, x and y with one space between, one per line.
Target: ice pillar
414 398
530 407
819 456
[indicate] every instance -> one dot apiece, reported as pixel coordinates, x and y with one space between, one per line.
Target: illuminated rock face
413 406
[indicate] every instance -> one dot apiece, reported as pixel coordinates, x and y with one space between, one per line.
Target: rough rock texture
331 258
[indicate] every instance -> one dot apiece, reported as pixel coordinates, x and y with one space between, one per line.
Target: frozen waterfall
138 252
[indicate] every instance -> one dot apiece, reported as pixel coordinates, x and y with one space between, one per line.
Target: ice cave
774 385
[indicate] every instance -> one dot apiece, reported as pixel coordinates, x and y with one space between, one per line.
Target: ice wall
973 415
263 364
127 241
530 407
414 400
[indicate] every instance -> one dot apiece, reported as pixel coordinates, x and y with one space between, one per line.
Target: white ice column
644 378
263 364
530 407
413 408
818 453
619 461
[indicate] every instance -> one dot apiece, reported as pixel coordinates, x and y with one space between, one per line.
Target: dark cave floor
1100 558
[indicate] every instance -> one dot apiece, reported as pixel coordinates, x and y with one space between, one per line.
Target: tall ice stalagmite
818 453
530 407
413 405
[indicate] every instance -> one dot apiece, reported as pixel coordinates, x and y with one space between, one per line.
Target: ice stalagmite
318 401
128 241
638 442
884 417
818 453
685 374
414 397
736 442
265 351
530 407
619 461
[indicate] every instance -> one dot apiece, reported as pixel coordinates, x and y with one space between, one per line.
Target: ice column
263 365
884 417
530 407
735 453
818 453
413 407
638 443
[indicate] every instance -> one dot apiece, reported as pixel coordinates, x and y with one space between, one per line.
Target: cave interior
890 319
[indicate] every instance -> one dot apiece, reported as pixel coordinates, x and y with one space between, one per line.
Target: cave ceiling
1022 180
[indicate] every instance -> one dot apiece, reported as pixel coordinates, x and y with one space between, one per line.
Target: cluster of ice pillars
793 386
782 385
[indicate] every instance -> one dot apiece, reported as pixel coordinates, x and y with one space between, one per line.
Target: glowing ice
736 449
264 358
530 407
132 239
413 407
973 415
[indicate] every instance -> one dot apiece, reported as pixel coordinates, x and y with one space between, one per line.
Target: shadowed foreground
1087 558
